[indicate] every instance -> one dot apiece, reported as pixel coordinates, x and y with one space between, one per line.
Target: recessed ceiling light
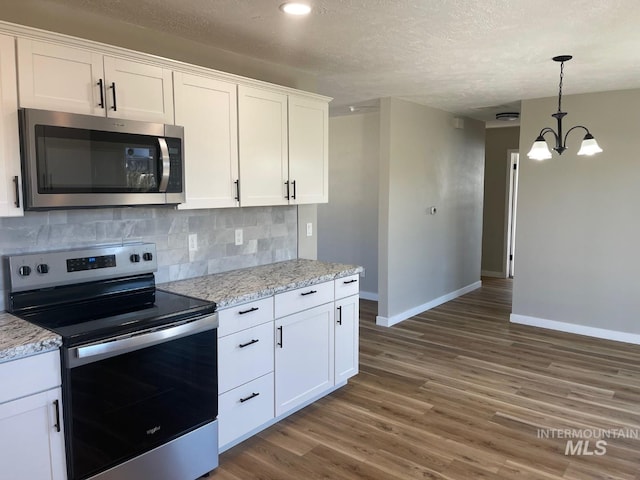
295 8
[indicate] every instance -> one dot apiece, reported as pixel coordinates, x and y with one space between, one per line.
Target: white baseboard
369 296
575 328
489 273
390 321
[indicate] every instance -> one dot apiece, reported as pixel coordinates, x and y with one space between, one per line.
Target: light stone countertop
19 338
248 284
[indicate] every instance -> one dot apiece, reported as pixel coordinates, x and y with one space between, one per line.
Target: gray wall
270 235
578 228
348 224
496 161
425 162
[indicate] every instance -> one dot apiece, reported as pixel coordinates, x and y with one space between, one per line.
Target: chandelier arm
546 130
573 128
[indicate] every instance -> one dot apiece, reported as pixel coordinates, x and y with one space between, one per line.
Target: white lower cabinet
304 356
270 368
245 369
31 430
346 337
245 408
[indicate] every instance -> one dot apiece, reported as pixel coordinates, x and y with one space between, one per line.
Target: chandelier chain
560 87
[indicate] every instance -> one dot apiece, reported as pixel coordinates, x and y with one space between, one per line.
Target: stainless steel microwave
75 161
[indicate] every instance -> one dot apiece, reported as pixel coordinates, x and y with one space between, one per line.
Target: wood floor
459 393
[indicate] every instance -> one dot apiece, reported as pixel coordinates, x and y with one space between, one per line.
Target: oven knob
135 258
147 256
24 271
43 268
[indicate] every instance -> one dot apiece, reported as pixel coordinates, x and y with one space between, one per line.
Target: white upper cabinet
10 175
207 109
262 119
69 79
308 150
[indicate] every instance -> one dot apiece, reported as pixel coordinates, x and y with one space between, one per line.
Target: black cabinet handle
339 315
350 281
56 405
287 194
113 87
237 183
101 86
245 399
294 190
279 344
253 309
16 184
242 345
310 292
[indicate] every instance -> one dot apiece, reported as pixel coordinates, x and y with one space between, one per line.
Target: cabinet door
137 91
347 318
30 444
308 150
10 175
60 78
208 110
263 148
304 356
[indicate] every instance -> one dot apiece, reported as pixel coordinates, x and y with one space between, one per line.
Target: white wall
425 259
348 224
578 227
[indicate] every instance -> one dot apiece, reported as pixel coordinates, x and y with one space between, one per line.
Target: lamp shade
589 146
539 150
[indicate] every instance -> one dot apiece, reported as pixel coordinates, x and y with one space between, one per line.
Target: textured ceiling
469 57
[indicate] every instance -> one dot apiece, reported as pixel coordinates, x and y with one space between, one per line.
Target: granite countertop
19 338
241 286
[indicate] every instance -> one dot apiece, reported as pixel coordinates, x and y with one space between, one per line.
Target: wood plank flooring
459 393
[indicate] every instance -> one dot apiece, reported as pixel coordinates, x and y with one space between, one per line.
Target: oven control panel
34 271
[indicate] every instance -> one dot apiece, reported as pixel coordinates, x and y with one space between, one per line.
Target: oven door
126 396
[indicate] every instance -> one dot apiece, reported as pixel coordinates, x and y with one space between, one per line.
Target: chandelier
540 149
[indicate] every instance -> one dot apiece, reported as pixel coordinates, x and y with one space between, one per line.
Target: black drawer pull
253 309
339 315
246 399
16 184
279 344
242 345
101 86
287 196
350 281
304 294
113 88
237 184
56 405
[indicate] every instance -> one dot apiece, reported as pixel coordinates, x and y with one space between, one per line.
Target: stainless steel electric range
139 365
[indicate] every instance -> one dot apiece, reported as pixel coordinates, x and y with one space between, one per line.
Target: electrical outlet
193 242
309 229
362 273
238 236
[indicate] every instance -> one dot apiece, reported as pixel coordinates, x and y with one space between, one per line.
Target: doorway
511 206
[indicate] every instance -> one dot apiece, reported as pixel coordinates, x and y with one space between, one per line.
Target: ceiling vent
507 116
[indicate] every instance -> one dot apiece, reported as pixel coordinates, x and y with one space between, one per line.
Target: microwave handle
166 165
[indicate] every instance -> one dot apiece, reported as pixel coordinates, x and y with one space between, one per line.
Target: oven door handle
136 341
166 165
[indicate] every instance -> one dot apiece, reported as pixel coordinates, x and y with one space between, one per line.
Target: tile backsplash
269 235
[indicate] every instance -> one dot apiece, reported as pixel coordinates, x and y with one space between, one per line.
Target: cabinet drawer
244 356
245 408
347 286
244 316
303 299
29 375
